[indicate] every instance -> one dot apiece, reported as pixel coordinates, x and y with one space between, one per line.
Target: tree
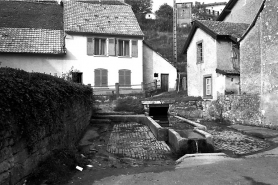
140 6
164 20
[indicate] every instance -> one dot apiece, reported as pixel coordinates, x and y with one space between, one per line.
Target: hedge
32 103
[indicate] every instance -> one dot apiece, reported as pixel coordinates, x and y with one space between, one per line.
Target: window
123 48
100 46
208 86
200 58
77 77
125 77
112 47
101 78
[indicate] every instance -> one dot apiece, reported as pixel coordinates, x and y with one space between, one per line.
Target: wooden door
164 82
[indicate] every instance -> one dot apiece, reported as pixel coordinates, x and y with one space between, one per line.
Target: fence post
117 86
142 86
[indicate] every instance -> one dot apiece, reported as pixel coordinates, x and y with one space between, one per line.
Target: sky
158 3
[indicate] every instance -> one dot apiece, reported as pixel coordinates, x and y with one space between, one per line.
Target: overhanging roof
227 10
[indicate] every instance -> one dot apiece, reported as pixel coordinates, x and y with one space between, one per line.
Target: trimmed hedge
31 104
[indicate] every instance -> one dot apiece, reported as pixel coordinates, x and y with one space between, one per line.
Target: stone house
212 51
158 68
101 41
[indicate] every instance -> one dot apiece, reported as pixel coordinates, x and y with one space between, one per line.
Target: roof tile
31 40
100 18
236 30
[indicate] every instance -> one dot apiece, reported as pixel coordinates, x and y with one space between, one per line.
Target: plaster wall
77 58
250 61
244 11
232 84
269 54
154 63
218 8
224 55
216 55
196 72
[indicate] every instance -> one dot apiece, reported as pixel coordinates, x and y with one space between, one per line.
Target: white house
100 40
213 58
158 68
150 16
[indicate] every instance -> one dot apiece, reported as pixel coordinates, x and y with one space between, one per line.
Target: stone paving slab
136 141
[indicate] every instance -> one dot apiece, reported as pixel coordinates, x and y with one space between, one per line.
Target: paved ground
122 159
137 141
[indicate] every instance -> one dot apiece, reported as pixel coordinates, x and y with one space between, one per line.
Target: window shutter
97 77
90 46
122 77
111 47
134 48
117 47
127 77
104 77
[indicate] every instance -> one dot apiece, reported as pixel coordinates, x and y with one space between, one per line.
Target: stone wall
17 160
243 109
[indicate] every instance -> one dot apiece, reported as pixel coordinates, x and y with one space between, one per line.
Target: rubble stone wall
244 109
17 160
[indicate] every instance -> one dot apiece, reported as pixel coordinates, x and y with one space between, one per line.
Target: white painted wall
77 58
196 72
218 8
150 16
216 55
154 63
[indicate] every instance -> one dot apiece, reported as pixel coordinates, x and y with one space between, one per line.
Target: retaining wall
17 161
244 109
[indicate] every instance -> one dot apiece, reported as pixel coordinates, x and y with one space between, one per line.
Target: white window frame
129 47
106 46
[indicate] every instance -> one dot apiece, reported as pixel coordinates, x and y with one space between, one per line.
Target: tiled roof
97 18
236 30
31 27
20 14
31 40
217 30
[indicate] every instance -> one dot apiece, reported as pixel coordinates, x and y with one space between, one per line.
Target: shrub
32 104
129 104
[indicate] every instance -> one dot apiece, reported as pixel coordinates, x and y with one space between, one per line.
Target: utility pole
175 51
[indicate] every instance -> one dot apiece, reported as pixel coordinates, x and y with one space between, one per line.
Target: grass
174 95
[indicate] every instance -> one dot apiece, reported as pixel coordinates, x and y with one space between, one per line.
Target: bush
32 104
129 104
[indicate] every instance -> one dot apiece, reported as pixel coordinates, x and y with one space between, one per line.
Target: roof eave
196 25
104 34
227 10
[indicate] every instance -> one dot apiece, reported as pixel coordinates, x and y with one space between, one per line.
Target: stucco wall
224 55
217 54
244 11
154 63
77 58
269 48
196 72
250 61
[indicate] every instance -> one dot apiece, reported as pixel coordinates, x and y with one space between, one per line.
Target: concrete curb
198 155
208 136
177 142
159 132
199 126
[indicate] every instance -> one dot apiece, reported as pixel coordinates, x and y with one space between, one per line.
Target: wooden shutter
122 77
104 77
111 47
98 77
117 46
90 46
134 48
127 77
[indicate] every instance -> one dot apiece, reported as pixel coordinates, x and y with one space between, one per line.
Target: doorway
164 82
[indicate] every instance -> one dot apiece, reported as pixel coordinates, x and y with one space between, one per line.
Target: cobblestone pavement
136 141
237 142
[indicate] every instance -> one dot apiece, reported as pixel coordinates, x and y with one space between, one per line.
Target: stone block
4 166
4 178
